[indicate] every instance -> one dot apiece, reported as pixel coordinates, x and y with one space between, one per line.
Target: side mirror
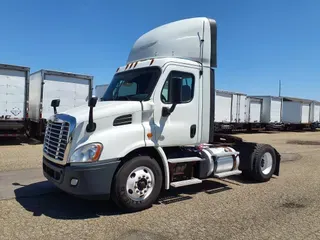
92 102
91 125
175 92
55 103
175 86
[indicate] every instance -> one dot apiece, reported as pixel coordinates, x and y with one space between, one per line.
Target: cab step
185 159
227 174
185 182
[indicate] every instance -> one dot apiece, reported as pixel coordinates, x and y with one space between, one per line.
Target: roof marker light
135 64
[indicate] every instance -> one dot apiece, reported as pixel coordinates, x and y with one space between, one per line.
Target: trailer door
316 113
12 94
255 111
223 104
72 92
275 110
305 113
242 108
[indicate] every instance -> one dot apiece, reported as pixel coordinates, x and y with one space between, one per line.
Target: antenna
279 88
201 47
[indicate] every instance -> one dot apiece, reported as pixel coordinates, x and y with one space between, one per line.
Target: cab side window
187 90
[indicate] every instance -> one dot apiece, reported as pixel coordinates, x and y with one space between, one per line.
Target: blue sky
259 42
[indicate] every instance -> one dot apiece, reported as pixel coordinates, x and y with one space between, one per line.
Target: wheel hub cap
140 183
266 163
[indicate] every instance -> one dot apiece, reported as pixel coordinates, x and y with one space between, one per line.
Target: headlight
87 153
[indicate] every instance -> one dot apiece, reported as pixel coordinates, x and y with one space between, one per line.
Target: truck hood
104 109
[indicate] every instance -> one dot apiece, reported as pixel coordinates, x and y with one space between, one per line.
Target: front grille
56 139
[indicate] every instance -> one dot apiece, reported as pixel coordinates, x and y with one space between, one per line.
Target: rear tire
264 162
137 184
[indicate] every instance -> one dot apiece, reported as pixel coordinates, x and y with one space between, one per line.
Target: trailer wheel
264 162
137 184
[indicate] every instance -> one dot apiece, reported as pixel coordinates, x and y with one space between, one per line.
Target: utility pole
279 88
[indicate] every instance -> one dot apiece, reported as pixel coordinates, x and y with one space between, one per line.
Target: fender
165 167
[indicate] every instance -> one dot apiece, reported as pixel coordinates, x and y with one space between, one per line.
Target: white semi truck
153 129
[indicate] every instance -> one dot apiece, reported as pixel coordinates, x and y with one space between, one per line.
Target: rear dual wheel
137 184
263 163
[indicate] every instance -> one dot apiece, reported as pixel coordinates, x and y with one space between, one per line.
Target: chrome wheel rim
266 163
140 183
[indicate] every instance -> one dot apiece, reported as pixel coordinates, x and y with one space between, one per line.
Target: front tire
137 184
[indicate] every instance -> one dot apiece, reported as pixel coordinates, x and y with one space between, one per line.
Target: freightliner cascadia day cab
153 129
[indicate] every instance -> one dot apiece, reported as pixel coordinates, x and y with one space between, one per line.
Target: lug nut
137 191
147 177
139 178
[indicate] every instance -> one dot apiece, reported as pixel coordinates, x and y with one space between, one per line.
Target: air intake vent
123 120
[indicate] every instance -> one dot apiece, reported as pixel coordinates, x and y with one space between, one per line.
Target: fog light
74 181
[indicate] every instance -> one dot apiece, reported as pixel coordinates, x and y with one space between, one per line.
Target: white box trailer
296 111
271 109
14 94
100 90
254 110
71 89
230 107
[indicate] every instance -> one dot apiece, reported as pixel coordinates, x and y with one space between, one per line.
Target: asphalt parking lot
286 207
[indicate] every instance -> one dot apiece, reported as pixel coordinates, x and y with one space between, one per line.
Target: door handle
193 130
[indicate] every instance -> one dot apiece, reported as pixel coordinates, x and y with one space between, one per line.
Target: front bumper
93 179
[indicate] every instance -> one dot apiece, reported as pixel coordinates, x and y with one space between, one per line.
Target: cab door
181 127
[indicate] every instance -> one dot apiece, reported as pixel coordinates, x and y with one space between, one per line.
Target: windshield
135 85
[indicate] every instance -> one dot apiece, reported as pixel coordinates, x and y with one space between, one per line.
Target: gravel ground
287 207
16 154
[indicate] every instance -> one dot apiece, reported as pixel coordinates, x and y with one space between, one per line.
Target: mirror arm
172 107
167 111
91 127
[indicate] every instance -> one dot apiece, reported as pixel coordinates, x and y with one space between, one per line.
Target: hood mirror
55 103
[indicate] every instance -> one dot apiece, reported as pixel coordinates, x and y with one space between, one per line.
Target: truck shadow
56 204
41 199
185 193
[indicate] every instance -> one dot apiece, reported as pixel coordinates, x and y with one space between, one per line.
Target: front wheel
137 184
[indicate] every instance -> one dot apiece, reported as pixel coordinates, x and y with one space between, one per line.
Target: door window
187 86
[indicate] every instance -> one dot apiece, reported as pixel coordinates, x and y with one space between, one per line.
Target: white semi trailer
153 129
230 110
71 89
14 95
